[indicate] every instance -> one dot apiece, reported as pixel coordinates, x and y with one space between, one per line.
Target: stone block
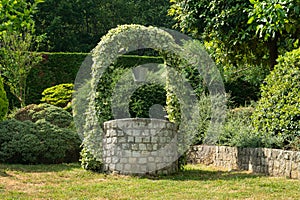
136 132
263 161
294 174
276 164
153 132
151 167
287 155
154 153
142 147
149 147
288 169
112 167
162 140
119 167
146 139
130 139
146 133
143 169
127 153
151 159
136 154
135 147
128 132
108 140
267 152
138 139
114 133
142 160
124 160
154 139
115 160
107 160
125 146
278 154
132 160
127 167
158 159
294 166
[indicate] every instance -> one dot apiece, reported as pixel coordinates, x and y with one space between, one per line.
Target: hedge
58 68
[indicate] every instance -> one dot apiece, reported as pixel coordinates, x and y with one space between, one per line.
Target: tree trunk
273 51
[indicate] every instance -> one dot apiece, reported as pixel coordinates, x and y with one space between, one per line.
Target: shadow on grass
36 168
205 175
185 175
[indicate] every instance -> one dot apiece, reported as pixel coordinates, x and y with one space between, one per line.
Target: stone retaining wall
274 162
140 146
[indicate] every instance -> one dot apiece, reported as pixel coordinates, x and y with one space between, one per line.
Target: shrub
3 101
237 130
59 95
144 99
34 143
89 162
277 115
52 114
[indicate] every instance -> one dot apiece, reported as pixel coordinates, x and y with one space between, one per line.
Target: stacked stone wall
274 162
140 146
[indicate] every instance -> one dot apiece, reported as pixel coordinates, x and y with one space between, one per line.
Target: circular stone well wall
140 146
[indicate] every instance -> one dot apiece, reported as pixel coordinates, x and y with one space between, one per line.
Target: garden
225 73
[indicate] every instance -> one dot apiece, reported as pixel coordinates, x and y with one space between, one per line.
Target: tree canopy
252 32
78 25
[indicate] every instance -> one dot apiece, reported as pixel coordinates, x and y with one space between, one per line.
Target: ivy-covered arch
175 48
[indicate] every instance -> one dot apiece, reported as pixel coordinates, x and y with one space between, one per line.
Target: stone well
140 146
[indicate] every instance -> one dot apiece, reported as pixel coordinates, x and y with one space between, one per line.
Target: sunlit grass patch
69 181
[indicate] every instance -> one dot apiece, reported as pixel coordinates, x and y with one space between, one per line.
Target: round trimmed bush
277 115
34 143
59 95
3 101
52 114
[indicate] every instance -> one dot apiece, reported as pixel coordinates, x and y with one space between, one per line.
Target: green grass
69 181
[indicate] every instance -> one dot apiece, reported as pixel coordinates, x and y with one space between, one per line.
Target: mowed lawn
69 181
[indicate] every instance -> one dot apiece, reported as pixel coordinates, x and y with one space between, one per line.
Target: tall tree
17 34
78 25
277 23
240 28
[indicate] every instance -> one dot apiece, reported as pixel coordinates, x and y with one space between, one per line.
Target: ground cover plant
69 181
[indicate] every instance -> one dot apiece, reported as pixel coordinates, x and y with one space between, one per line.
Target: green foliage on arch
105 75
